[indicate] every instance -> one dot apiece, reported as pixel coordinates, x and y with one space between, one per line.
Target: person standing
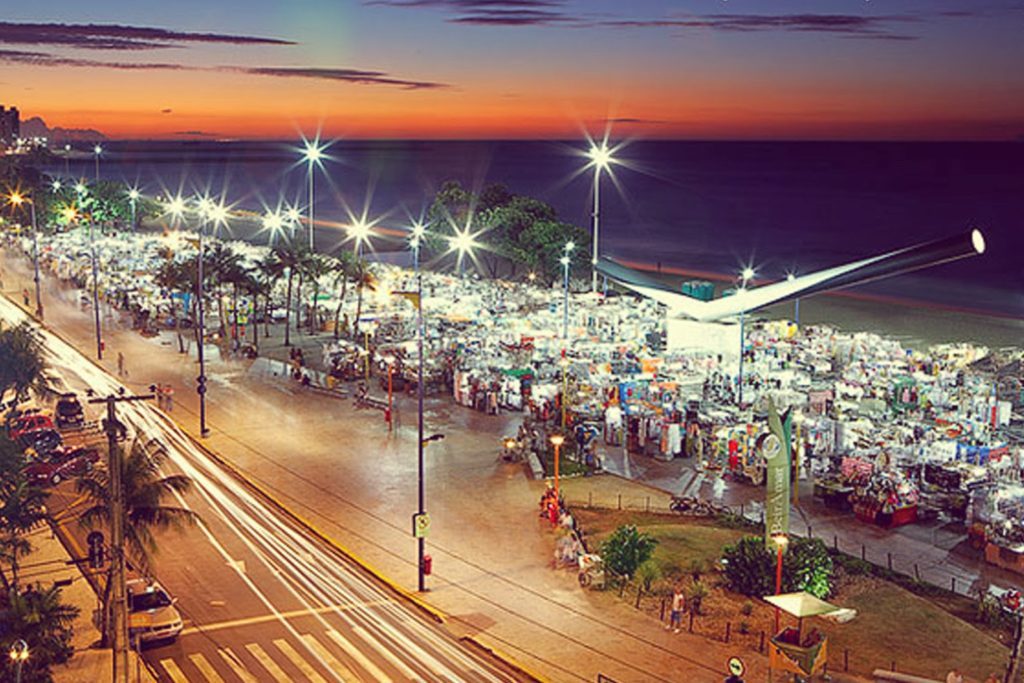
120 365
168 397
955 676
676 614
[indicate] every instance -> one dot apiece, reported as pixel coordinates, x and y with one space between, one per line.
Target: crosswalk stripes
232 661
387 654
204 668
288 651
330 660
354 652
173 671
269 664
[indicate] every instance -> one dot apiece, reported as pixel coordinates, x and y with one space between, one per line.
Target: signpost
776 450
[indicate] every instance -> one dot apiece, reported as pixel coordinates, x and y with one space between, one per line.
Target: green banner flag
776 452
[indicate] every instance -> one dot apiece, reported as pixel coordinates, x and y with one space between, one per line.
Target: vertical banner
776 451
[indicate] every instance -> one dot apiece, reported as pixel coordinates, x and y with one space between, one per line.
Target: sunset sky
779 69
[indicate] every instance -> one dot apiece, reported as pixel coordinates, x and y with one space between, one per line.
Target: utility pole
1013 671
119 600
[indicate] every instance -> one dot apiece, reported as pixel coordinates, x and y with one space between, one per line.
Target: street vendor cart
792 650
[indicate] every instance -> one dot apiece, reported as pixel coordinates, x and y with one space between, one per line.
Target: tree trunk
359 306
234 315
105 609
288 309
298 304
255 325
313 313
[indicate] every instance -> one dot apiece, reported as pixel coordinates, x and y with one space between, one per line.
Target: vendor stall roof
801 604
892 263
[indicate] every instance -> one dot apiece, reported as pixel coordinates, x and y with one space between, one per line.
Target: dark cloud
358 76
116 36
635 121
494 12
196 134
850 25
166 111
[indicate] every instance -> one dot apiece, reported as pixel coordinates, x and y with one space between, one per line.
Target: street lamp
19 655
781 541
360 232
796 302
416 236
311 154
747 275
133 196
557 440
463 242
565 261
82 191
97 151
215 213
67 158
600 158
17 199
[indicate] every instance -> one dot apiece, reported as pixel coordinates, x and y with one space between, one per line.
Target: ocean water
705 206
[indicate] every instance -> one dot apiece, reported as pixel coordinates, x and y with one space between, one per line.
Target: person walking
168 398
159 395
121 371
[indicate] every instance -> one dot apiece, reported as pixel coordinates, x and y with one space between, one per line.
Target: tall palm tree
23 509
317 267
289 257
178 276
224 261
344 267
364 278
21 362
268 272
144 490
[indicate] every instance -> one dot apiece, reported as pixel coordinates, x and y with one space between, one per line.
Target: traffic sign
736 667
420 525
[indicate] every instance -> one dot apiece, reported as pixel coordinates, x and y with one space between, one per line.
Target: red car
30 423
62 464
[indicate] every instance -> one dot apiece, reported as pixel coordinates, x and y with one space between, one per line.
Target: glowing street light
80 188
56 185
746 275
557 440
16 199
97 151
216 214
566 260
312 154
601 159
463 242
176 207
19 655
416 236
293 215
133 197
360 232
273 222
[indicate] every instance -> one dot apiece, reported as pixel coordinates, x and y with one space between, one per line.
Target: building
10 126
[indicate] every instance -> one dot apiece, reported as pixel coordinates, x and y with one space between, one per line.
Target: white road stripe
387 654
269 664
285 647
204 668
353 652
173 671
236 665
330 660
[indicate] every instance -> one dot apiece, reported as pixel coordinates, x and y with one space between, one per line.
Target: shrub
747 609
806 566
697 569
626 549
698 591
744 627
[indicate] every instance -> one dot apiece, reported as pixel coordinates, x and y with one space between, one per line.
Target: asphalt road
262 598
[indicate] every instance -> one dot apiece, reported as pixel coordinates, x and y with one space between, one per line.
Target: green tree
749 567
23 509
344 269
44 622
145 490
178 276
21 362
626 549
806 566
287 259
318 267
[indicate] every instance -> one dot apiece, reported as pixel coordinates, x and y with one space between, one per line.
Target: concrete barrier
885 676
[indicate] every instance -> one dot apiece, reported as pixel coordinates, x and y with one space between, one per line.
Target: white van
151 612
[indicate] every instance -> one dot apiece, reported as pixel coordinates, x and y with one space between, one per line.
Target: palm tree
144 490
177 276
363 278
22 511
21 362
344 267
45 624
223 263
268 272
288 257
317 267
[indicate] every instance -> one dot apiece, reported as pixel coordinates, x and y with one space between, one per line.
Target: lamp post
97 151
217 213
67 158
600 159
781 541
566 260
796 302
564 362
17 199
18 654
312 154
557 440
82 191
746 275
133 196
463 242
416 236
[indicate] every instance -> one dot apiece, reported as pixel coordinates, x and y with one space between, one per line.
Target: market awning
801 604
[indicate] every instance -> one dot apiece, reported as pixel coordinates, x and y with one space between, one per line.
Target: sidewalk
344 471
49 563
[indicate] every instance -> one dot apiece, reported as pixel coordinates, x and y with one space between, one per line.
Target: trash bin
428 564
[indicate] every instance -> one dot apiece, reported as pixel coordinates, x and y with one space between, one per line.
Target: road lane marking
204 668
387 654
330 660
173 671
236 665
263 618
268 663
286 648
353 652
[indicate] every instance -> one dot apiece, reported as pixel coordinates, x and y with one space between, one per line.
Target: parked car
152 615
42 441
69 411
61 464
29 423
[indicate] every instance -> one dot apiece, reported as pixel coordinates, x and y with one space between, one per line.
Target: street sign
736 667
420 525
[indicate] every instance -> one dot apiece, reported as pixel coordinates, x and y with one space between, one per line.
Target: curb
508 661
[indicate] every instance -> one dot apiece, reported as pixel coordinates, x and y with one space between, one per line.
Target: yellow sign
420 525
